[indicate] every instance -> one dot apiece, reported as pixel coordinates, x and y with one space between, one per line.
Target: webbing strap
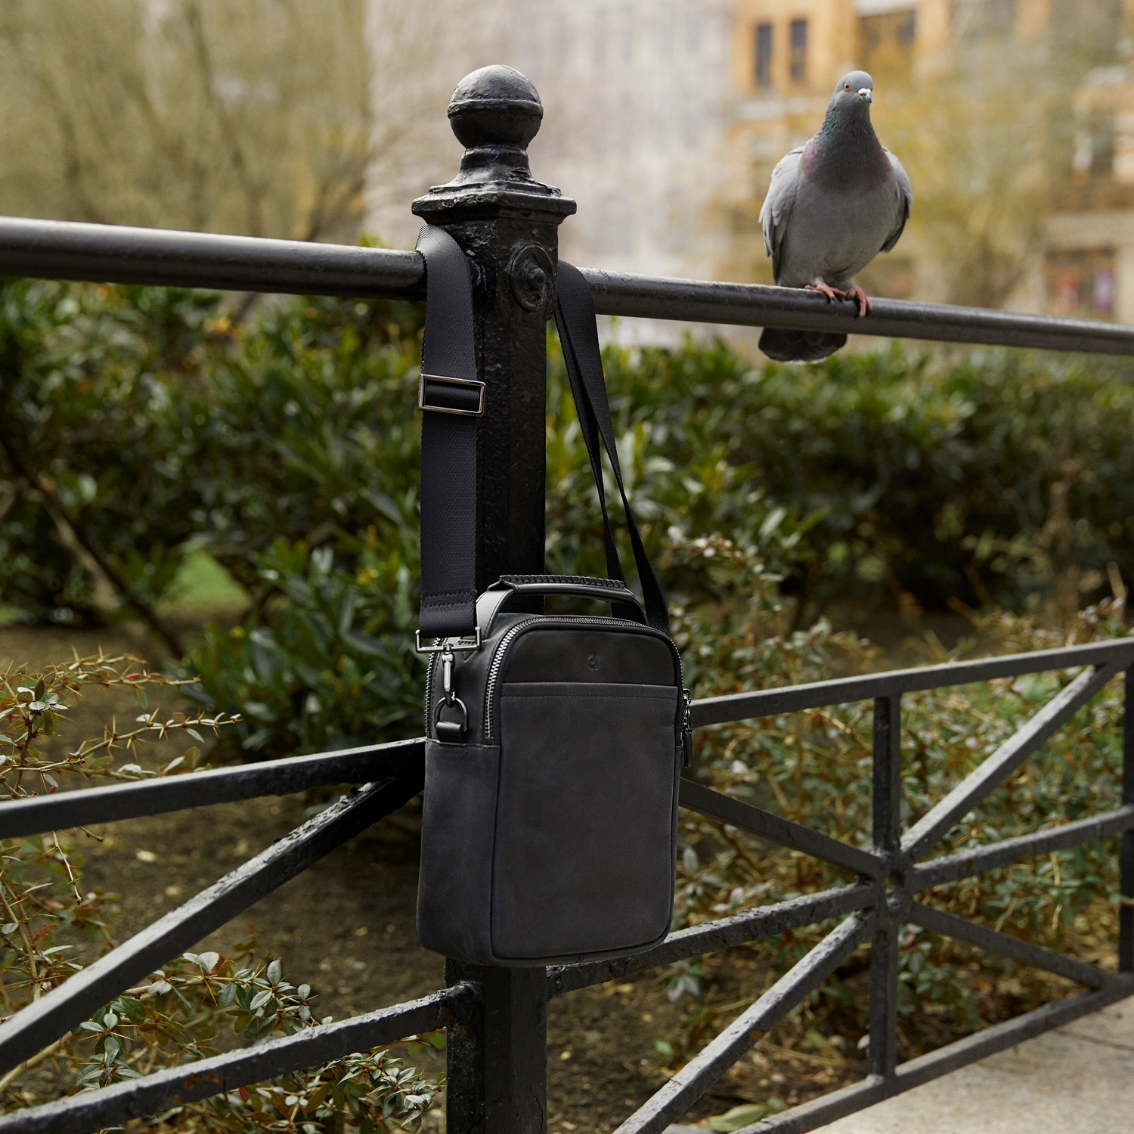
578 332
453 401
448 440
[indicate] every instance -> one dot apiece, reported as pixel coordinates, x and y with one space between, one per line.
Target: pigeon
833 205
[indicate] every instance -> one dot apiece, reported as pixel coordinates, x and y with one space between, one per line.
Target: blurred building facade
664 119
636 97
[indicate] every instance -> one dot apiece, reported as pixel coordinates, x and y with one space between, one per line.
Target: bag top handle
492 602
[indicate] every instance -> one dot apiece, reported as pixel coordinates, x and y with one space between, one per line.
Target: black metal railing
496 1018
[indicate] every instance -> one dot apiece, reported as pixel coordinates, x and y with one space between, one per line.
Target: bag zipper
544 620
686 727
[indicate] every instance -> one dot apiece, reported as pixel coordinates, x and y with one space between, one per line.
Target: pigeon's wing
905 200
778 205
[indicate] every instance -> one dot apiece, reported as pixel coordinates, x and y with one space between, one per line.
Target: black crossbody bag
554 742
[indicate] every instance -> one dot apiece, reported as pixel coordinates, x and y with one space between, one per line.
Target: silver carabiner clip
447 660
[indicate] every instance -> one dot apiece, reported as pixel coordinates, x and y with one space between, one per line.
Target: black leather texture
557 843
553 759
550 832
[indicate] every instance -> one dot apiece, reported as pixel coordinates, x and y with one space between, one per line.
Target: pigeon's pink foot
860 299
826 290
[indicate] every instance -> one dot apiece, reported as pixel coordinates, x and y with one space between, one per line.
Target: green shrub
986 476
815 768
182 1010
138 427
138 424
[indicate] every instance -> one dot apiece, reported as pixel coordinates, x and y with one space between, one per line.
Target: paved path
1078 1079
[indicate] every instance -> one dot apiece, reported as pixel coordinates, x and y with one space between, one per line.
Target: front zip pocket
568 621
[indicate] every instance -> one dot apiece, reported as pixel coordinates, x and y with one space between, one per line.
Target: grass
203 582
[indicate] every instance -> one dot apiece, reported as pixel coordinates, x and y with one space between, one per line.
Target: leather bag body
554 742
549 832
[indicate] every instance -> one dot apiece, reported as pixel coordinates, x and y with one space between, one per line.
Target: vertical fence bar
507 224
887 803
1126 859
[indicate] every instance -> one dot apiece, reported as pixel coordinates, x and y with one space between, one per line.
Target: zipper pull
687 729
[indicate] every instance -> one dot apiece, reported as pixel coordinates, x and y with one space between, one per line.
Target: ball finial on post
495 112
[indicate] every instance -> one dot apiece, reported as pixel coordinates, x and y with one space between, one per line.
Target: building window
887 40
763 55
1001 16
1082 283
1093 157
798 51
976 19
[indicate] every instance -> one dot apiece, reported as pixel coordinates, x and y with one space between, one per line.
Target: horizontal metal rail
67 250
68 1004
842 690
189 1082
81 808
757 305
103 253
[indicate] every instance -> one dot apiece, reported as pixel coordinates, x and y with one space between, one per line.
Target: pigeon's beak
864 92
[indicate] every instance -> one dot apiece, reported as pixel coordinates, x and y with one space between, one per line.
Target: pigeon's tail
799 346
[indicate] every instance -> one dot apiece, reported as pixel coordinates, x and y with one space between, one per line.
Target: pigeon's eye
846 86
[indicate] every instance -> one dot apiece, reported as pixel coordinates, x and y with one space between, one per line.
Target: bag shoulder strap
578 332
452 403
452 400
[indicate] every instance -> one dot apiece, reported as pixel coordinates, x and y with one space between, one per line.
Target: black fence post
507 224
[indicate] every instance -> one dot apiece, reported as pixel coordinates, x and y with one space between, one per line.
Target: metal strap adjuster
460 386
461 646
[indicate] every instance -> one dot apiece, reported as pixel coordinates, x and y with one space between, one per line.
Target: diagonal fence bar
973 789
949 925
67 1005
713 936
697 797
92 1111
86 806
701 1072
838 1104
977 860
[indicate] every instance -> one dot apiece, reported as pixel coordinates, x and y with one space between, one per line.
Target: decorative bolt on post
507 223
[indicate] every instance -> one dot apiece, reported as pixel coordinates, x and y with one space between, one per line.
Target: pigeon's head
853 93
